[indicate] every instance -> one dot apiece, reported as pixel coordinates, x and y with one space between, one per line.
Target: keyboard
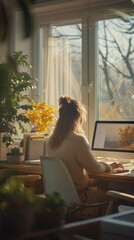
122 170
127 166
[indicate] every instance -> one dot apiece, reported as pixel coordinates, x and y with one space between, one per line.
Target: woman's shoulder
78 137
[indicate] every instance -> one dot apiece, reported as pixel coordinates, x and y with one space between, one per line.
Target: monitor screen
117 136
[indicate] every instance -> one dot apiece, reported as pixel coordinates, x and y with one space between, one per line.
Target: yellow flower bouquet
42 117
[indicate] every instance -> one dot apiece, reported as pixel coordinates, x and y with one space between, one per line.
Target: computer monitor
113 139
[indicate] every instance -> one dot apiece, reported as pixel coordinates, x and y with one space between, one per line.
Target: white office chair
56 178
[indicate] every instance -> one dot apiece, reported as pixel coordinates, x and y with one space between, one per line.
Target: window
116 71
89 59
62 60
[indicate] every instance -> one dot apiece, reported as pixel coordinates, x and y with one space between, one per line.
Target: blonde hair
70 111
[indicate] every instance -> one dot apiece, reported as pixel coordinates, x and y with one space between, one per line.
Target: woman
69 143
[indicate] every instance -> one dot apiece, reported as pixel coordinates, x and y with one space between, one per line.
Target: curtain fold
58 76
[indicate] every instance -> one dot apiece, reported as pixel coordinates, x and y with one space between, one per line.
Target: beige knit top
76 154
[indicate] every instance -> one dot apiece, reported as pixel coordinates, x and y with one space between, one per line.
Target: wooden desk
119 182
25 169
105 181
22 168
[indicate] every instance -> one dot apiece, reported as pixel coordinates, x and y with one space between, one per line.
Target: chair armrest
95 204
121 195
80 207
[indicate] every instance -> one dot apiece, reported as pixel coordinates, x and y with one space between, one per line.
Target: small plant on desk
15 156
15 152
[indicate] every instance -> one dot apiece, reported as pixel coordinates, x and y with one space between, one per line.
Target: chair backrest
57 179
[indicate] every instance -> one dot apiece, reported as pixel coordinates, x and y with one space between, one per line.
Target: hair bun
63 101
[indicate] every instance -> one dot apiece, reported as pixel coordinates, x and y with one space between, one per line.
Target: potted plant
21 211
13 98
50 211
15 156
17 207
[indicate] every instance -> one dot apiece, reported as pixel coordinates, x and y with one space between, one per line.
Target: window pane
116 69
63 74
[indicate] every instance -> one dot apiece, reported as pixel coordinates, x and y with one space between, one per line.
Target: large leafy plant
17 207
21 211
13 98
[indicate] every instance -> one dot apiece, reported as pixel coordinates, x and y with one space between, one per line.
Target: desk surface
119 182
30 168
22 167
121 177
105 181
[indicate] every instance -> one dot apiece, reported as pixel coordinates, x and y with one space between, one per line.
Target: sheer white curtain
58 70
58 77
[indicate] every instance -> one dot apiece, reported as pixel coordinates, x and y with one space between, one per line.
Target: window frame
89 13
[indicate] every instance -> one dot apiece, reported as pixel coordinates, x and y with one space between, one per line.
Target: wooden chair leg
110 206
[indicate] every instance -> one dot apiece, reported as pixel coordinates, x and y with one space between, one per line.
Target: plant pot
46 220
15 222
15 159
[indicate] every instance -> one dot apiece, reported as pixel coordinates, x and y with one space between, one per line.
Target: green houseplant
50 211
17 207
21 211
13 99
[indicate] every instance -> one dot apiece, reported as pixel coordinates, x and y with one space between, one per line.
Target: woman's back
70 145
68 151
75 152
